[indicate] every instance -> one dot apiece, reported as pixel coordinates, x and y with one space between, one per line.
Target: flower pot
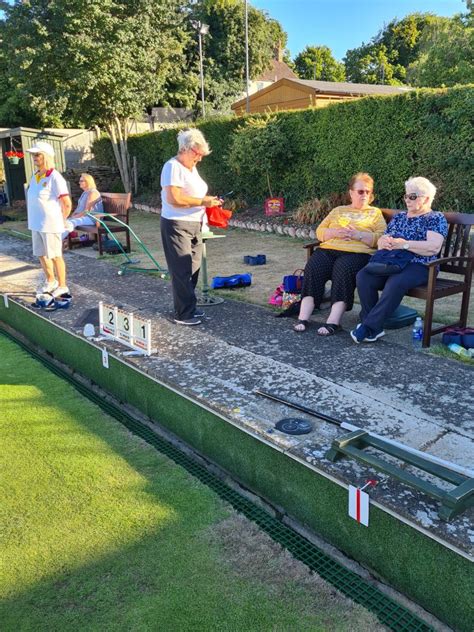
14 160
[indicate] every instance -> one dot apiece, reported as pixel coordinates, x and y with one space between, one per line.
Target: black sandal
305 324
331 329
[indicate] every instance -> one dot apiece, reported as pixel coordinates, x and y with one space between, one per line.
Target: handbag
217 216
294 282
276 298
387 262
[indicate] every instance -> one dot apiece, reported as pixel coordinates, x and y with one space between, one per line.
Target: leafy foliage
224 47
386 58
94 63
317 62
153 149
82 63
312 153
446 54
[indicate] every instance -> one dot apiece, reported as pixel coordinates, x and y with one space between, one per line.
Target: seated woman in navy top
420 231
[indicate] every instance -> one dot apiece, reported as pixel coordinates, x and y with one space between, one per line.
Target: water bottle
417 333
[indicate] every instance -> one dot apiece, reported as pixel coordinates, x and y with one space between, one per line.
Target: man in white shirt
49 204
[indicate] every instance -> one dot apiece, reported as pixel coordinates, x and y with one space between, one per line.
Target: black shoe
199 314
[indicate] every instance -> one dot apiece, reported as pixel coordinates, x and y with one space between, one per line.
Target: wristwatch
406 246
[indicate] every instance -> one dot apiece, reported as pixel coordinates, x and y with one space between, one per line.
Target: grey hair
421 185
192 139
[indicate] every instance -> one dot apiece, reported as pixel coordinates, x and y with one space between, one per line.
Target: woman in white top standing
49 204
183 202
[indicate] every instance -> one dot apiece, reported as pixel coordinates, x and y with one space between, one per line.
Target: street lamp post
202 29
247 79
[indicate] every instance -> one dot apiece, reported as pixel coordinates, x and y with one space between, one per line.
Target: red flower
14 154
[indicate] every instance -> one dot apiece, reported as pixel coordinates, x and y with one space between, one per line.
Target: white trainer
48 287
60 290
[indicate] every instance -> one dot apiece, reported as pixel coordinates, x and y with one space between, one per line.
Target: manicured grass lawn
101 532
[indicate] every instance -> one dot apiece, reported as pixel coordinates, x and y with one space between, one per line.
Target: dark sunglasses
412 196
362 191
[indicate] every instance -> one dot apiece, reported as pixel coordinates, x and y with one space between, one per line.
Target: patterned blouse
415 229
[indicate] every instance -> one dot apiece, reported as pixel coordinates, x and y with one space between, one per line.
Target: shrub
312 153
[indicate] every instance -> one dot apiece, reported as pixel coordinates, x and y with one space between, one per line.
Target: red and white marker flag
359 505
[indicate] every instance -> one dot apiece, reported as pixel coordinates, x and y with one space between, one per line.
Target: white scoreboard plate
142 334
108 320
124 326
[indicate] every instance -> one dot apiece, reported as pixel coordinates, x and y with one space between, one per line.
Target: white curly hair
422 186
193 139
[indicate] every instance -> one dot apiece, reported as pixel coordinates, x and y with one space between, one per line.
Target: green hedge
312 153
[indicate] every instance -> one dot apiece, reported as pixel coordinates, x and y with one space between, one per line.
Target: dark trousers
376 310
339 266
182 244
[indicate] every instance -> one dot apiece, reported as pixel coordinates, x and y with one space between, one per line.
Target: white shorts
49 245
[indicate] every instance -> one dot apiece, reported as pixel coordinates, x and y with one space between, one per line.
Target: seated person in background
89 202
348 237
420 231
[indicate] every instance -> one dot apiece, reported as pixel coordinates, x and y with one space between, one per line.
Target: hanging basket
14 156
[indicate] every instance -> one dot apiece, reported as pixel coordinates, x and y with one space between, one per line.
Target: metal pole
247 54
202 76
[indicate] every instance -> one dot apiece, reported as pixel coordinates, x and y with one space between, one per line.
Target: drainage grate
389 612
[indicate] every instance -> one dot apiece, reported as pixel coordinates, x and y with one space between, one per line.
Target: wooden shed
297 94
20 139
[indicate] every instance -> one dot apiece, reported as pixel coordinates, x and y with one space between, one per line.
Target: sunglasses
362 191
198 153
412 196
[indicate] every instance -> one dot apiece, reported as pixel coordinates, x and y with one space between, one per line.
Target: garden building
297 94
17 165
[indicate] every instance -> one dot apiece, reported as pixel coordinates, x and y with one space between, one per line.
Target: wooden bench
117 204
455 257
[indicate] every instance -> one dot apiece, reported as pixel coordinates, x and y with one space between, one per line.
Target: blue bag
387 262
293 282
236 280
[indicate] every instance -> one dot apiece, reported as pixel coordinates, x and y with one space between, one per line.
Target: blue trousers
376 310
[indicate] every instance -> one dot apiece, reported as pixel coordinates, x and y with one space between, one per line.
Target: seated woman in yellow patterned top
348 237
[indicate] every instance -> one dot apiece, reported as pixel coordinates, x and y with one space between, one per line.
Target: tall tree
373 63
96 63
386 57
317 62
224 47
446 54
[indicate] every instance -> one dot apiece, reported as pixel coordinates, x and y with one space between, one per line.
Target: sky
345 24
